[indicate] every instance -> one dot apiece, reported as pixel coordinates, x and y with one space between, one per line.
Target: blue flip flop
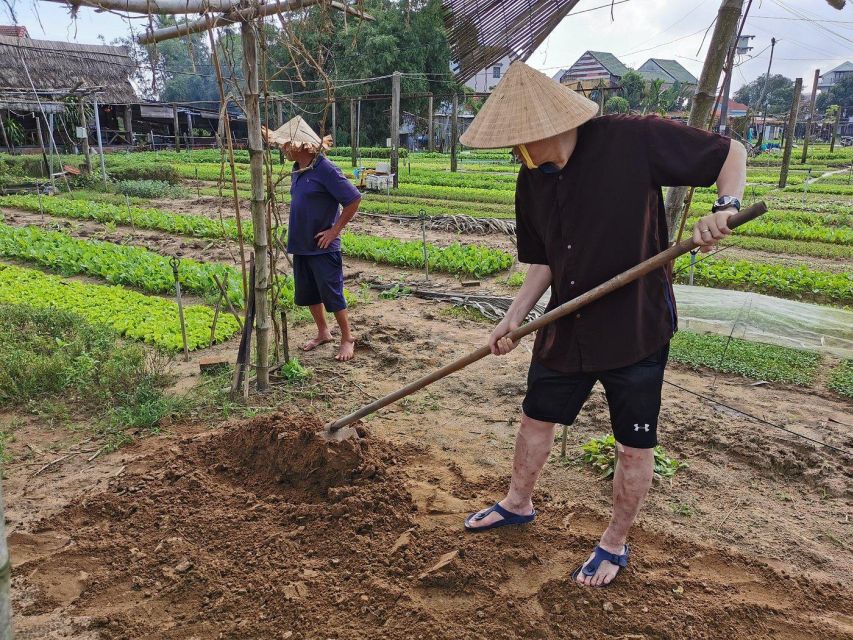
591 567
508 518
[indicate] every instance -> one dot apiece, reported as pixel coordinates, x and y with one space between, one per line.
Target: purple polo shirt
316 196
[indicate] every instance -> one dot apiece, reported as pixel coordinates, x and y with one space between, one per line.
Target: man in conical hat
589 206
322 202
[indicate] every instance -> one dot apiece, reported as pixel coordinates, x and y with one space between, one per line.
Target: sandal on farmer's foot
507 518
590 568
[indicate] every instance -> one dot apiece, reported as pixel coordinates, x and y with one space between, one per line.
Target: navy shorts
320 278
633 396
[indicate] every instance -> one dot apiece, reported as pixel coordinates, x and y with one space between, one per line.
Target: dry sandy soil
257 529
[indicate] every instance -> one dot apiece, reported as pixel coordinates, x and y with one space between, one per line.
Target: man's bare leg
631 482
532 446
347 350
323 333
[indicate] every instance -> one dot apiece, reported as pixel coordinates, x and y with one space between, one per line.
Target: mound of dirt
280 452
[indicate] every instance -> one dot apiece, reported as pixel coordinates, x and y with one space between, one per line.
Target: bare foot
606 570
347 350
322 338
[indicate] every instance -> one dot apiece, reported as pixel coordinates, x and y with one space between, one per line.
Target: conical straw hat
526 106
299 134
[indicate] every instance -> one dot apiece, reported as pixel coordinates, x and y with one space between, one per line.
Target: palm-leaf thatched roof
56 67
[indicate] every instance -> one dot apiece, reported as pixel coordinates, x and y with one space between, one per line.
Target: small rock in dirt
365 597
608 607
286 635
443 562
678 590
645 609
403 541
481 614
184 566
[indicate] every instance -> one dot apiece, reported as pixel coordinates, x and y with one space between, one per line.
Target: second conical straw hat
526 106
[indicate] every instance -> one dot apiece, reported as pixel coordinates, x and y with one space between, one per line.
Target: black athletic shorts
633 395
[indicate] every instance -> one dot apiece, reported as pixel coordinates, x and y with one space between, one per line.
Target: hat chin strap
528 161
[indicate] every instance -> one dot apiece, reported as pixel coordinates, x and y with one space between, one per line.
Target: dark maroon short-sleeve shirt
600 215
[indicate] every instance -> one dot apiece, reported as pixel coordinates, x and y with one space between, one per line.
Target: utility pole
251 96
430 142
395 125
789 133
454 132
87 154
177 125
725 26
811 117
764 94
352 142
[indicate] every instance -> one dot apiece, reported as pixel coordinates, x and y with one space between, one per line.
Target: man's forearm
732 178
537 280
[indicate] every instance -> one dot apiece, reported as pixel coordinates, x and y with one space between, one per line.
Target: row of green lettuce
474 260
137 316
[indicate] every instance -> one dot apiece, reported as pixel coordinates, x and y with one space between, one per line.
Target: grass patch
841 379
151 189
742 357
57 361
465 313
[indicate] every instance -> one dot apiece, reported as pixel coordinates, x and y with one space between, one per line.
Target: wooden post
177 127
5 137
334 123
454 132
43 151
789 133
100 140
6 632
601 98
259 221
50 143
352 128
128 123
87 152
190 130
279 114
703 99
811 117
835 126
763 94
430 141
395 125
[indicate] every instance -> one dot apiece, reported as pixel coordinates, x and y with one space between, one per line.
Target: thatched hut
46 76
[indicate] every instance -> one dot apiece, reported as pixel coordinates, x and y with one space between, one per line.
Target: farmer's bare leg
323 333
631 482
347 350
532 446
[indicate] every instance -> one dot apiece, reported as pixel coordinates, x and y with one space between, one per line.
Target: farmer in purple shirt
322 202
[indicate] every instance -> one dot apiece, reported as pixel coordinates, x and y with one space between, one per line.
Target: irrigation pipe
656 262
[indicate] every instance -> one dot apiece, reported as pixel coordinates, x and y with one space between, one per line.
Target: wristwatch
724 202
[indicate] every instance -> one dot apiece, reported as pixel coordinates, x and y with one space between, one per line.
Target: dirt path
237 532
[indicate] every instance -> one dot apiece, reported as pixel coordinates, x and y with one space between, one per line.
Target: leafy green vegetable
600 454
841 379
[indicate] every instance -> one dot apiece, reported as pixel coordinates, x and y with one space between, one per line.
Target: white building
487 79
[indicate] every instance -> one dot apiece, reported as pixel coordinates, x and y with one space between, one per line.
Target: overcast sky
809 33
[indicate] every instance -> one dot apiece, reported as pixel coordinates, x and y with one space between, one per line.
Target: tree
780 91
654 98
841 94
616 104
633 86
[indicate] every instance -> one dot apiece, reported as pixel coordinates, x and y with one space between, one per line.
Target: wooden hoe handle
616 282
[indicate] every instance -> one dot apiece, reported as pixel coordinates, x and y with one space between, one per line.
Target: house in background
735 110
833 76
487 79
593 68
669 71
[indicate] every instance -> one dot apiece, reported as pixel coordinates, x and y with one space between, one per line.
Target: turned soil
259 529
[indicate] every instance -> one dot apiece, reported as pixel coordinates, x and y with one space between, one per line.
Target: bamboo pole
835 126
454 133
352 142
430 142
176 124
5 137
811 117
789 133
656 262
395 125
703 99
259 223
87 152
6 632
